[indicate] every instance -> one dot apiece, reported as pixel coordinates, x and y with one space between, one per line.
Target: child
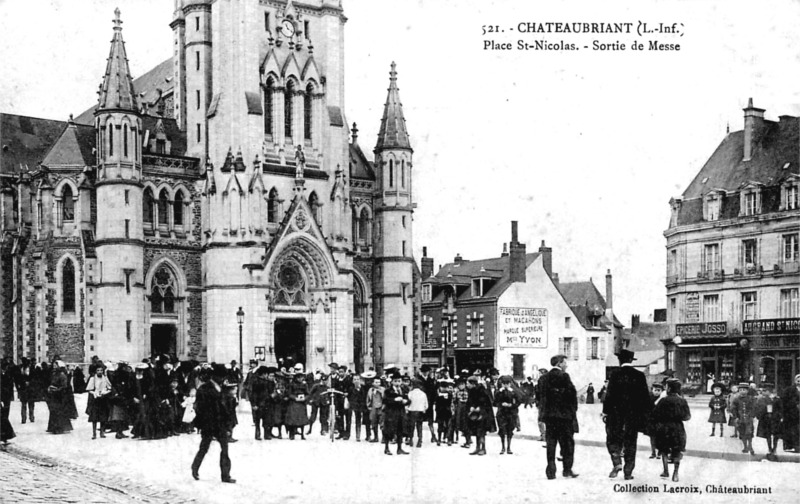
732 419
744 409
444 412
507 406
459 423
188 411
769 411
98 388
717 405
394 403
668 417
416 410
480 414
375 406
655 396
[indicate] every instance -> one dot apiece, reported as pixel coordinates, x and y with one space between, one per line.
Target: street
316 470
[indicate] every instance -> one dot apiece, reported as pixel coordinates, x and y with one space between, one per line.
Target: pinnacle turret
116 91
393 133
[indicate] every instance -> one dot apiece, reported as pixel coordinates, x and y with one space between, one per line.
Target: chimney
505 251
517 260
609 292
753 124
547 259
634 323
554 276
458 259
427 264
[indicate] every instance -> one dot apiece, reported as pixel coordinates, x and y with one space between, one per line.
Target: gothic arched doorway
290 341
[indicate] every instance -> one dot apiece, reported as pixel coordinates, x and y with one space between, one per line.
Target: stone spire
116 92
393 134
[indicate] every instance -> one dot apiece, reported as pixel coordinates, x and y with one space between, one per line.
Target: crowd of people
161 397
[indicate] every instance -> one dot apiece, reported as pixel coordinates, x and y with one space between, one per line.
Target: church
218 207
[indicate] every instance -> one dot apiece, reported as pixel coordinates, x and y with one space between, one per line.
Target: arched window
177 209
162 291
287 109
363 226
313 202
162 207
307 112
272 206
67 205
148 207
125 140
268 91
68 286
391 173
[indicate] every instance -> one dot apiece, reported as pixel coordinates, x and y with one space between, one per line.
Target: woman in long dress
296 414
60 401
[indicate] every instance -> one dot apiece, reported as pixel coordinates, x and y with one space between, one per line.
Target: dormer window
478 287
750 201
426 292
712 206
790 194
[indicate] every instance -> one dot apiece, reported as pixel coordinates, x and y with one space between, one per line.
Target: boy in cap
394 402
655 394
507 404
443 406
374 405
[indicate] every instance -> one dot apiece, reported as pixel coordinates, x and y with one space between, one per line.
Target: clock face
288 28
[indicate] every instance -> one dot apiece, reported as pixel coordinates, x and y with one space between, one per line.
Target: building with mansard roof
512 313
732 260
218 207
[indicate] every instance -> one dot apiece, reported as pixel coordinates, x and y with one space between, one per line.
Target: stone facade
157 215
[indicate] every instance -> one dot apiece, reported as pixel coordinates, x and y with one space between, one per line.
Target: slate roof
150 87
775 146
462 273
393 133
360 167
73 148
176 137
585 299
25 141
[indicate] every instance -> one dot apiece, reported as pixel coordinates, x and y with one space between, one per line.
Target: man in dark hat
559 405
212 420
395 401
626 410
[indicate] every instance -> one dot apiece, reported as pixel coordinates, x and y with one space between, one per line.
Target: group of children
743 405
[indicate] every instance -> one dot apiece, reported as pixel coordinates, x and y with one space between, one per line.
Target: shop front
704 353
775 346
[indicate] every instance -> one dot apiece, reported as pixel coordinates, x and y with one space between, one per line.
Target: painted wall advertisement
522 327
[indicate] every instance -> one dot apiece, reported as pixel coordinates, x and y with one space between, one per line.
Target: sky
583 148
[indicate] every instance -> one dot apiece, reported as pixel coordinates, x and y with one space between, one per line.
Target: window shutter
588 347
602 348
575 348
561 346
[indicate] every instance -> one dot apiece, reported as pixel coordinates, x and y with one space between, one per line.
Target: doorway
290 341
163 339
785 374
357 350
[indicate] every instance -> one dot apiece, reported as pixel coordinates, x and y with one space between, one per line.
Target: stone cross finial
117 20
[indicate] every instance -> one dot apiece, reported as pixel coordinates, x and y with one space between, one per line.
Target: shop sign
522 327
771 326
692 311
775 342
702 329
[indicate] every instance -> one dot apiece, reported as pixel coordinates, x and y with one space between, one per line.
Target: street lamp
240 320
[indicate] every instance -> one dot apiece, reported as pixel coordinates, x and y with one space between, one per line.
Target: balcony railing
711 274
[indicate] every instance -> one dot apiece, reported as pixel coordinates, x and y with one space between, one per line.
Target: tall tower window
127 228
198 133
67 205
391 173
272 206
308 112
68 286
125 140
177 209
197 60
403 173
305 29
268 91
403 251
266 21
287 109
197 98
163 204
197 23
127 197
148 207
110 139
